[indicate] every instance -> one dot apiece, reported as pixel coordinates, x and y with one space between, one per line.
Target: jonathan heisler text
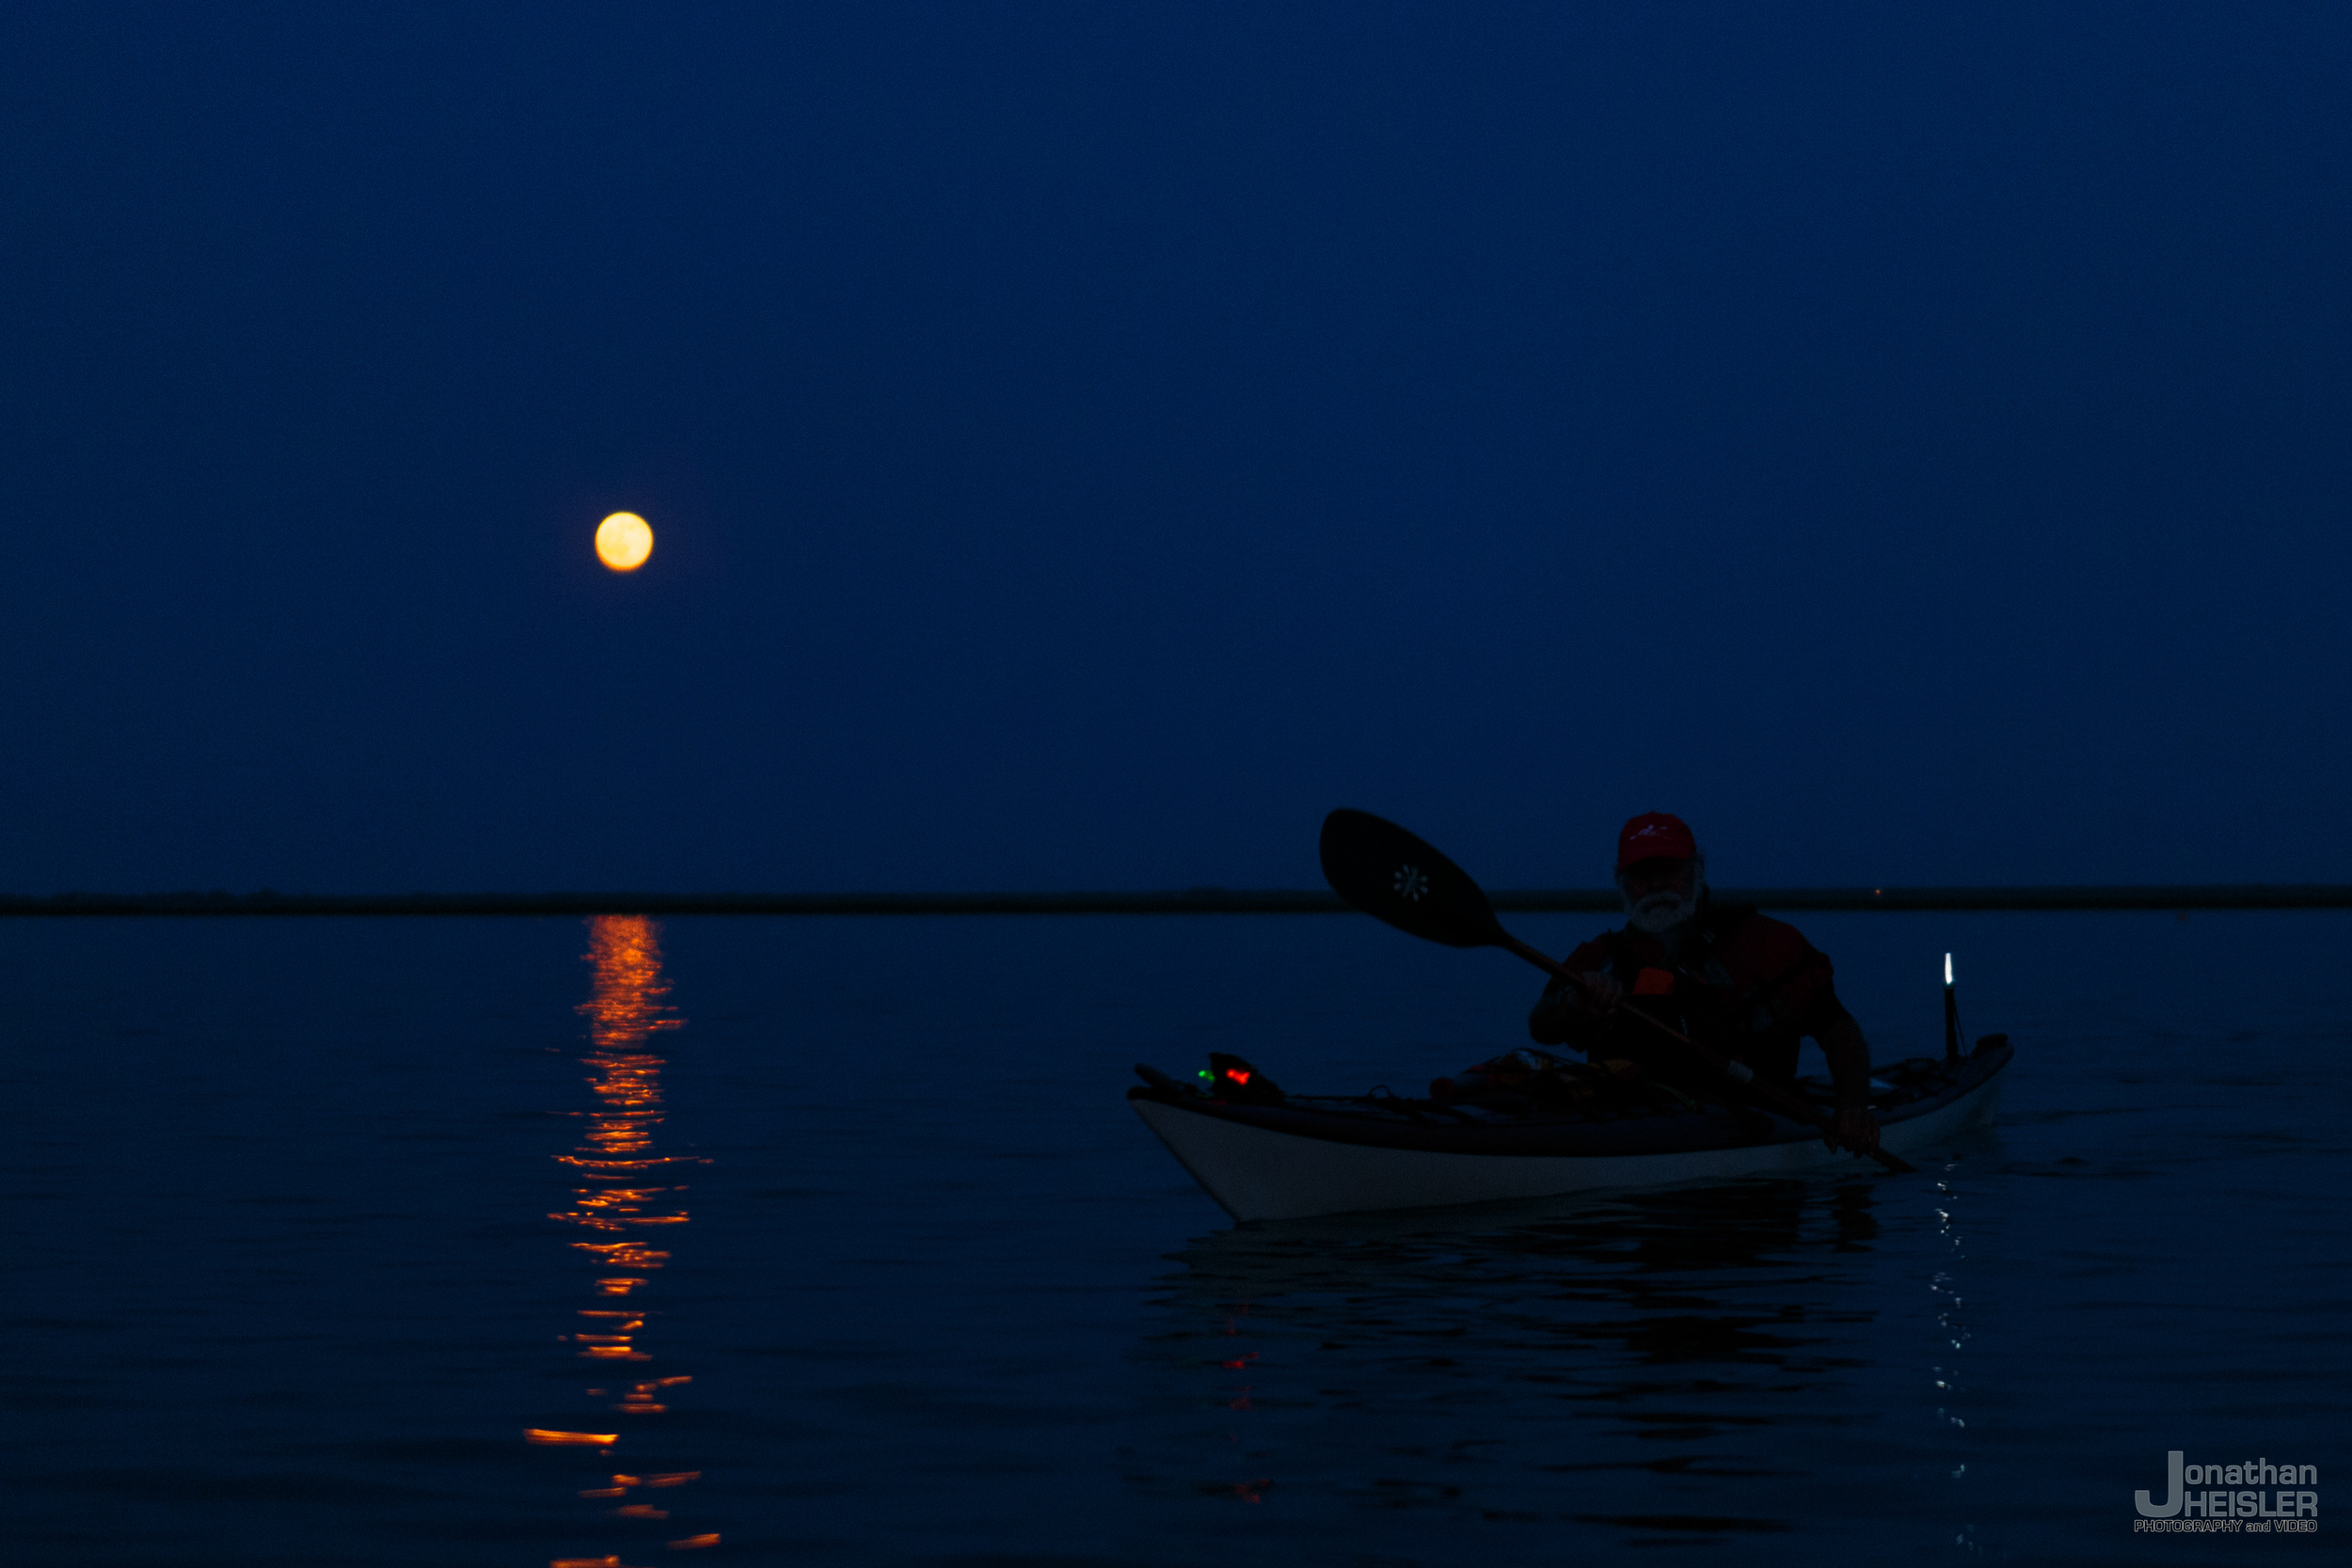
2250 1490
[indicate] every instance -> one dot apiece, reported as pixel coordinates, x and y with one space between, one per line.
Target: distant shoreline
1189 901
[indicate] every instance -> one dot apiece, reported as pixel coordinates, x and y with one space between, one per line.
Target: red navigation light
1242 1082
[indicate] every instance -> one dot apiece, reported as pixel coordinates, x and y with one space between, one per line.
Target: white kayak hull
1259 1173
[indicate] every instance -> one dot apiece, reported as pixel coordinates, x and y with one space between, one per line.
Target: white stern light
1947 968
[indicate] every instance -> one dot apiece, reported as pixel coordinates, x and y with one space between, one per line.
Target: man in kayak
1750 987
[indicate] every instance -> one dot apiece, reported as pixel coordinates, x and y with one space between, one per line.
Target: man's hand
1598 992
1853 1128
1563 1015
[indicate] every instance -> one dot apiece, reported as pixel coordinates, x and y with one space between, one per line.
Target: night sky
1086 443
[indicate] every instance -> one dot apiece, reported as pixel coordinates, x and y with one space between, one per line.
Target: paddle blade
1392 876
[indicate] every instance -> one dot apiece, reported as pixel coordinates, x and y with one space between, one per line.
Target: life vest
1744 984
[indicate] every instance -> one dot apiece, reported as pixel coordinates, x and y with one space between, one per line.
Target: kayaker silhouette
1741 982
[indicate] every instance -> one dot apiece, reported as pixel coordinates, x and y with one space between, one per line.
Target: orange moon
623 541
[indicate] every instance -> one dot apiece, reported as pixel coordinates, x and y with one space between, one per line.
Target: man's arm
1849 1056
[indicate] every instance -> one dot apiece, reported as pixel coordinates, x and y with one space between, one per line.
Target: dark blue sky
1088 442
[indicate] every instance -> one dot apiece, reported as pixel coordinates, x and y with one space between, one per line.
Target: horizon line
1199 900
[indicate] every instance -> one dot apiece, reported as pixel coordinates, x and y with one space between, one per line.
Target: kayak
1304 1155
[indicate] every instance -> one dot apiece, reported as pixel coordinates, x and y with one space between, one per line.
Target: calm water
310 1223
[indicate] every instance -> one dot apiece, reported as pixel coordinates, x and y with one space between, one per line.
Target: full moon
623 541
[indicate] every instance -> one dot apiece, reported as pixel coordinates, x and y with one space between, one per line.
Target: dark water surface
306 1220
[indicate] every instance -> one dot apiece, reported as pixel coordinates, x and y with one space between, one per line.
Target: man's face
1659 892
1659 874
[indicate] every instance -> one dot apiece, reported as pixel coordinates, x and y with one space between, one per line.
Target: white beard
1661 912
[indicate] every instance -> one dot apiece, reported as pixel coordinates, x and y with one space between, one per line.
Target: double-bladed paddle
1393 876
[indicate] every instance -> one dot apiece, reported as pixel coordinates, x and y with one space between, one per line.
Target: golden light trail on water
626 1185
623 541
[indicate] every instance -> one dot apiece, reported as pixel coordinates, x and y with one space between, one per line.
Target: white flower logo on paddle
1411 882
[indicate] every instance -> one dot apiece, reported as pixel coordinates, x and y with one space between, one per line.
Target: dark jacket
1744 984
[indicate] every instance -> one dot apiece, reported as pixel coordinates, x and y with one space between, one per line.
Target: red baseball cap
1653 835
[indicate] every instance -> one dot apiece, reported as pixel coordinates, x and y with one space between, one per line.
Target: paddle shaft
1739 1072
